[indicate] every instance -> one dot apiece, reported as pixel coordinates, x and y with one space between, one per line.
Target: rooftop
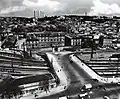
33 78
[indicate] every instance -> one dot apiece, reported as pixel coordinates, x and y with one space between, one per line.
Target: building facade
72 40
32 43
45 39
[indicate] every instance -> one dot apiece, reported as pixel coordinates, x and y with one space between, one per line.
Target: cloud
53 7
46 6
100 8
12 9
42 4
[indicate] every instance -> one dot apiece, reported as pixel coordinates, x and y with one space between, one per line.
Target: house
73 40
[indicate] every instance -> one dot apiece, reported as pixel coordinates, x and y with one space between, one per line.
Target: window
52 86
41 88
26 91
36 89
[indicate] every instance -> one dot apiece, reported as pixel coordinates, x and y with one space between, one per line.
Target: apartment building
45 39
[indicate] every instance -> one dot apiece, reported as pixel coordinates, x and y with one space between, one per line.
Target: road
72 78
78 78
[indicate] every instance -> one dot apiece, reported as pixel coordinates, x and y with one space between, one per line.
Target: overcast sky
92 7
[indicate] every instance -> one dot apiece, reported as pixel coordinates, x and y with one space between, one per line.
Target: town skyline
59 7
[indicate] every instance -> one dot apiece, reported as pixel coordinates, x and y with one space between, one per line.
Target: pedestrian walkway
92 73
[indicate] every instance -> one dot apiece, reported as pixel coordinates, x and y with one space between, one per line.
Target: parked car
86 87
83 95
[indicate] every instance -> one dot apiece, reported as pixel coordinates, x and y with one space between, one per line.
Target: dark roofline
33 78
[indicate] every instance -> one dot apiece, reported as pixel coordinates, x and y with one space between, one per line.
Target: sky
52 7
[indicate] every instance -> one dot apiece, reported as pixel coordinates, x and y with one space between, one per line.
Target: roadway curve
77 77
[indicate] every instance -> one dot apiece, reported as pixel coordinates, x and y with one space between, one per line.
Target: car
83 95
106 97
118 83
71 61
64 97
86 87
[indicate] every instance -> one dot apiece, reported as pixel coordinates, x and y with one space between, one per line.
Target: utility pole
12 66
92 47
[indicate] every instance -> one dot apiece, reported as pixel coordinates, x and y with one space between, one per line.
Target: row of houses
48 39
36 40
